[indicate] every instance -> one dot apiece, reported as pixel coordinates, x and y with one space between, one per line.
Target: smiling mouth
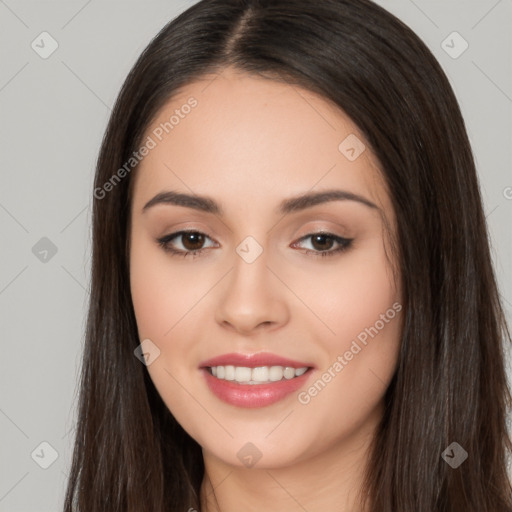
257 375
254 380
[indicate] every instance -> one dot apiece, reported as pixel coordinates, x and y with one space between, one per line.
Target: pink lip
253 395
252 361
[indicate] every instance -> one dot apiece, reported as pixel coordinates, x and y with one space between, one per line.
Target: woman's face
265 298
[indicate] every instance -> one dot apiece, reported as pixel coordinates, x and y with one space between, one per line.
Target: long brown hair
450 384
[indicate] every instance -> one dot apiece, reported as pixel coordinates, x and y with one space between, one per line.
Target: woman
227 366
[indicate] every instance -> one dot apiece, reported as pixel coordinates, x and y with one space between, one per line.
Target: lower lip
253 395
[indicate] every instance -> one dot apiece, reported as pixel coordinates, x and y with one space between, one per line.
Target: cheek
163 300
361 312
162 294
169 309
349 295
365 292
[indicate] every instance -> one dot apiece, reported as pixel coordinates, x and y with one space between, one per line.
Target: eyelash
345 243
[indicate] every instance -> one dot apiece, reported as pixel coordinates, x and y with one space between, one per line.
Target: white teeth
275 373
229 372
258 375
243 374
289 373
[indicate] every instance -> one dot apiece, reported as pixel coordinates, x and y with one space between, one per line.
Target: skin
249 144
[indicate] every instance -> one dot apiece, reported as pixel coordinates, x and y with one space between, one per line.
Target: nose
252 298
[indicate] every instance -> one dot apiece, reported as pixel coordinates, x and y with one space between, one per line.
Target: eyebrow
290 205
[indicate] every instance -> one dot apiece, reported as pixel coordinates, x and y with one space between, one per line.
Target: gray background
53 115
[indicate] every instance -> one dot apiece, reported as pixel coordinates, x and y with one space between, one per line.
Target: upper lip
252 360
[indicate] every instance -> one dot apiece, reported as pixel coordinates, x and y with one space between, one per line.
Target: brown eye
191 243
193 240
322 242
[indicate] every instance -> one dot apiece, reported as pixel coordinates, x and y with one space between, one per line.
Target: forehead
254 138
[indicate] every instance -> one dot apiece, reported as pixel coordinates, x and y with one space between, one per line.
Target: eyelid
313 232
343 243
166 239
